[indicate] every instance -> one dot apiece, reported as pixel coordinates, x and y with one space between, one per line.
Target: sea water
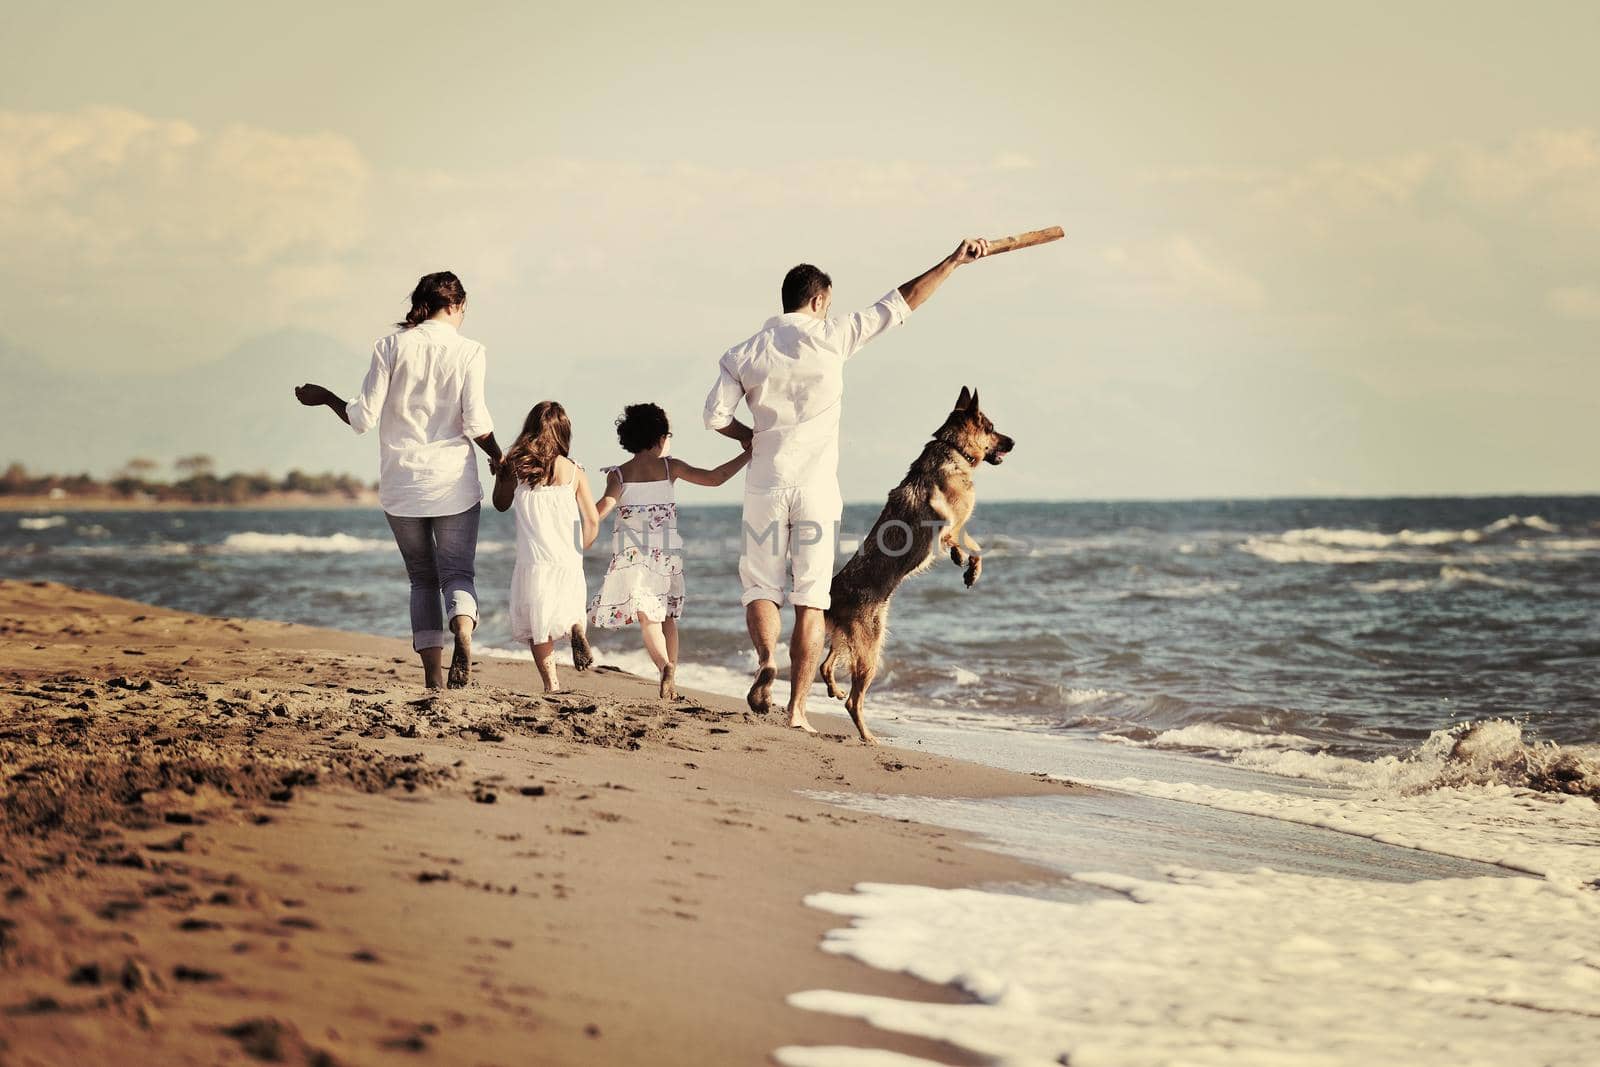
1347 754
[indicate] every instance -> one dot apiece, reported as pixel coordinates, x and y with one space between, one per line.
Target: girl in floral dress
644 583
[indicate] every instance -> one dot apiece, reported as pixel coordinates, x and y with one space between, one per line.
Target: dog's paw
957 556
974 568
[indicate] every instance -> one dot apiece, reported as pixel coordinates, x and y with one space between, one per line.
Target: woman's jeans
440 555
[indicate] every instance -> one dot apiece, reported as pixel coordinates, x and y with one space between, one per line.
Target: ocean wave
1488 752
252 542
1327 545
1321 535
1183 591
48 522
1074 697
1448 578
1211 737
1576 545
1279 550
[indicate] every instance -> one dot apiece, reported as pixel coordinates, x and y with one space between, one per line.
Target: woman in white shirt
424 393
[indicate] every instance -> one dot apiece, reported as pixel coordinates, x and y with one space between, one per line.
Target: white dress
645 578
547 588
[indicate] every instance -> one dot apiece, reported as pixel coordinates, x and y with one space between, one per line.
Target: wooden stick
1025 240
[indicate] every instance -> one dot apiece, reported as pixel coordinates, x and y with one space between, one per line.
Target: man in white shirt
791 375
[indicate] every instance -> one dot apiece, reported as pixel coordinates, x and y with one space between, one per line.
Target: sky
1345 249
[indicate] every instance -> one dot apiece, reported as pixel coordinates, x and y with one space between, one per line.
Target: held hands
969 249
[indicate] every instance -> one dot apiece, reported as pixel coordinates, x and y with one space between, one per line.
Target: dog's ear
964 401
974 406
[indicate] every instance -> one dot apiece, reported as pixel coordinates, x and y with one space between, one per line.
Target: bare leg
655 643
544 659
670 629
805 649
582 656
432 667
461 661
761 618
669 678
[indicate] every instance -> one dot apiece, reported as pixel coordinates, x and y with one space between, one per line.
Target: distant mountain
240 410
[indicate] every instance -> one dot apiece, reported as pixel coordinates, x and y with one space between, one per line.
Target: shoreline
275 502
257 821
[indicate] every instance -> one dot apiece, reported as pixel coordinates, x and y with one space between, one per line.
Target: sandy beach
239 841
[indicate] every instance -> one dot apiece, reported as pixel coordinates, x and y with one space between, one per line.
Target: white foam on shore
1264 967
251 542
1552 835
1205 968
1477 791
49 522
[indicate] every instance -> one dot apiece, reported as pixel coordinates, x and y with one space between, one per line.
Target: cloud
118 224
1175 270
105 184
1555 173
1581 302
122 224
1442 260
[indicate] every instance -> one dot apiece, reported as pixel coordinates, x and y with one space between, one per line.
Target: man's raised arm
917 291
857 329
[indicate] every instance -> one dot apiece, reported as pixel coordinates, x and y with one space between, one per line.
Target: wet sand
229 841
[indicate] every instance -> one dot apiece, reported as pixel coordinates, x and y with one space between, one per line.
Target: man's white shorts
790 529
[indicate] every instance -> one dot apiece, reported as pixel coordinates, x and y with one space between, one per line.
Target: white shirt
424 392
791 374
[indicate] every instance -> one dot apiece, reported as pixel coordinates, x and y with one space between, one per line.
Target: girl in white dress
556 521
644 583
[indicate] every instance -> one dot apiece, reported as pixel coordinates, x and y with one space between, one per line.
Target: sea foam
251 542
1325 545
1208 968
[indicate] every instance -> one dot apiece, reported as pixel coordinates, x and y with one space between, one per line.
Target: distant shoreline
271 501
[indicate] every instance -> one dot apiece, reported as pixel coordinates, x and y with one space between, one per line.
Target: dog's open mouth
998 453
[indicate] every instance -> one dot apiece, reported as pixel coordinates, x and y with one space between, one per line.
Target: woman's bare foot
669 678
760 696
461 661
801 724
582 655
433 675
